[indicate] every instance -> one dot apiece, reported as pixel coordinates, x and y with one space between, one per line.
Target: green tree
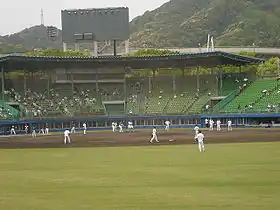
270 67
152 52
56 52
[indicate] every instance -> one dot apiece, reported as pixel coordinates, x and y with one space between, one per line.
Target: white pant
67 140
229 128
13 132
114 128
46 131
167 128
201 146
154 137
73 130
33 134
121 130
85 131
218 127
42 131
211 128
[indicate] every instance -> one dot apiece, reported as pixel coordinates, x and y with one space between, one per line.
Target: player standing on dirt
154 136
85 128
26 129
229 125
33 133
218 125
67 137
167 125
13 131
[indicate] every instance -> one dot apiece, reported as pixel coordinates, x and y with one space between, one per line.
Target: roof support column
2 83
220 80
96 82
49 84
72 82
174 83
24 82
197 80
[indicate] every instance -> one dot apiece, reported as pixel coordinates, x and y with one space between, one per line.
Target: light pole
199 47
254 48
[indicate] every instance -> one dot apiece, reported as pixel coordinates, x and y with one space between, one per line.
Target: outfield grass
227 176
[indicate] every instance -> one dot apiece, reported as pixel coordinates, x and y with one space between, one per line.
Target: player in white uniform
67 137
130 126
196 129
206 121
218 125
167 125
47 130
154 135
200 141
229 125
114 126
85 128
26 129
33 134
42 131
211 125
121 127
13 131
73 129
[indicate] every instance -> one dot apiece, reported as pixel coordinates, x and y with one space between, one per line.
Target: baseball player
85 128
67 137
167 125
196 129
42 131
154 135
130 126
121 127
211 125
218 125
200 140
26 129
114 126
229 123
206 121
33 133
73 129
47 130
13 131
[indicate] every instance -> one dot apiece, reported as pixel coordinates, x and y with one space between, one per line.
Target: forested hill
185 23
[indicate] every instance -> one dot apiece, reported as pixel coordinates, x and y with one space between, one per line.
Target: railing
225 101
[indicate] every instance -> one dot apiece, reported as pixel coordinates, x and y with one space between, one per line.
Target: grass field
227 176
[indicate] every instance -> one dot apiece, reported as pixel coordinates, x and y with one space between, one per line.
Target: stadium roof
211 59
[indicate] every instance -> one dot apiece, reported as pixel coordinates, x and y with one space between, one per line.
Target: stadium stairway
8 112
251 96
198 105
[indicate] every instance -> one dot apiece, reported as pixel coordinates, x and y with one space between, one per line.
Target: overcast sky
16 15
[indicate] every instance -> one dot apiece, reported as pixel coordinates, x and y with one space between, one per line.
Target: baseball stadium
108 165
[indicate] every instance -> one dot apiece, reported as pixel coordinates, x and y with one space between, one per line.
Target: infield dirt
138 138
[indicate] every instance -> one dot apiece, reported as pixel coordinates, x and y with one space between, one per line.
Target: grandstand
110 88
261 96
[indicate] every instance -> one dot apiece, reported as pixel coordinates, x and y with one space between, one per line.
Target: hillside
183 23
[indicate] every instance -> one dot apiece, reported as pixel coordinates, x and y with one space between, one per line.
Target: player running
154 136
167 125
